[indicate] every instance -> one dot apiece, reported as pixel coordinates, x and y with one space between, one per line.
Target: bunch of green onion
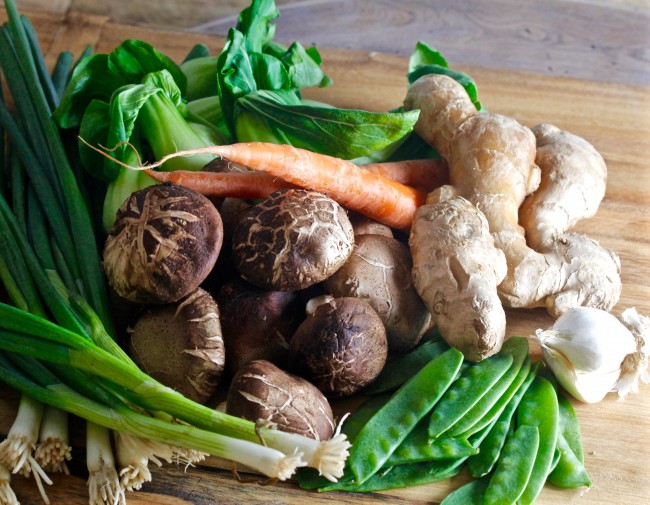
56 344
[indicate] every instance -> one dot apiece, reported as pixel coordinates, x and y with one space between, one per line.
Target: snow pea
570 427
506 398
490 448
416 447
517 347
570 471
400 476
399 370
514 468
468 494
383 433
466 392
309 478
358 419
539 408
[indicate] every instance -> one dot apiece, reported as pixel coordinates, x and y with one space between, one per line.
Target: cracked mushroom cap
292 240
379 272
163 244
260 391
181 345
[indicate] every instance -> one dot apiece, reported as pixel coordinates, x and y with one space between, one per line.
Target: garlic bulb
592 352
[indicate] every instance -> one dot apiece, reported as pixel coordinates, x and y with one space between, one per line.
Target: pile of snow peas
431 414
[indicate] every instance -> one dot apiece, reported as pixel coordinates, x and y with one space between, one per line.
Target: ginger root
456 270
573 180
492 164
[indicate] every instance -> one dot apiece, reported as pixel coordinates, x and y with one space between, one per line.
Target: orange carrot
249 184
354 187
425 174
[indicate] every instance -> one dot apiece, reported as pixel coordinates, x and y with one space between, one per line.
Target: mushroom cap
257 323
341 347
163 244
262 391
292 240
181 345
379 272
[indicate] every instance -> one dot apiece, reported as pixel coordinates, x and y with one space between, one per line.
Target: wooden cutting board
615 118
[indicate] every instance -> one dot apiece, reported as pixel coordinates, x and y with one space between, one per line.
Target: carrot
249 184
354 187
240 182
425 174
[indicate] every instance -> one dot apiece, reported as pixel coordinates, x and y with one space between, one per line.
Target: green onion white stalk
7 495
103 481
133 457
53 450
16 451
37 381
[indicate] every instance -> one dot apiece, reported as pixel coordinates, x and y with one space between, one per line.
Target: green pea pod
309 478
416 448
399 370
466 392
490 449
539 408
386 430
491 446
517 347
505 399
570 427
570 472
401 476
514 468
358 419
469 494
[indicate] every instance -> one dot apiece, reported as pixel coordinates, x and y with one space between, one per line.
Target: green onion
29 335
270 462
7 494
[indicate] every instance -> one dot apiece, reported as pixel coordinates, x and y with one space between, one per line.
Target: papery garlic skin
635 365
586 348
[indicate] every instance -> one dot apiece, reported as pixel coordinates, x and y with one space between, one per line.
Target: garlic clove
588 387
592 340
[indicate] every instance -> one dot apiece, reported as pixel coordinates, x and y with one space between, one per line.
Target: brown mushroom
292 240
163 244
262 391
180 345
257 323
363 225
340 347
379 272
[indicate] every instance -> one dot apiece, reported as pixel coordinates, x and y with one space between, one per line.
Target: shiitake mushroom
340 347
163 244
262 391
379 272
180 344
257 323
292 240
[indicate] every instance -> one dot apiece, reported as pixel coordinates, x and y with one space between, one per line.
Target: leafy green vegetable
98 76
426 60
343 133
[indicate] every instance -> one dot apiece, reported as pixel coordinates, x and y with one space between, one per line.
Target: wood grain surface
601 40
614 117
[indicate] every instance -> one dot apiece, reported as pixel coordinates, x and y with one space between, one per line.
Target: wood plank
599 41
613 117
